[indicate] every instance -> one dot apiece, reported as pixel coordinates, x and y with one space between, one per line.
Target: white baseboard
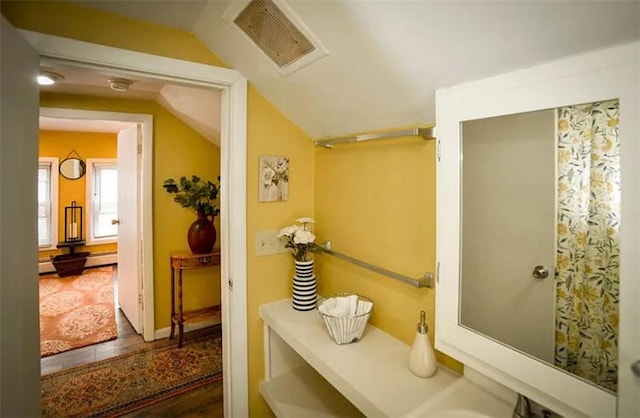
164 332
92 261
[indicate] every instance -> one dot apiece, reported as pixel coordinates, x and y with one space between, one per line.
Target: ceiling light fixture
47 78
120 84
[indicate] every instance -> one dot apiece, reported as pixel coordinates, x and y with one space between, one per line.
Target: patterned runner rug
76 311
135 380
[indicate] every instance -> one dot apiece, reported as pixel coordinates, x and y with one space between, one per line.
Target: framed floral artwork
274 178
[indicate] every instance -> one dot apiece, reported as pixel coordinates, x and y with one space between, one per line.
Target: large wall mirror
538 239
540 257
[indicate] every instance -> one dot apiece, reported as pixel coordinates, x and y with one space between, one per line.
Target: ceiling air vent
277 31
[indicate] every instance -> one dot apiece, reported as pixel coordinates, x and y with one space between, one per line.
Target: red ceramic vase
202 235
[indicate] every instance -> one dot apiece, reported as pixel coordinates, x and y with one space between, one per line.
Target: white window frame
91 164
55 221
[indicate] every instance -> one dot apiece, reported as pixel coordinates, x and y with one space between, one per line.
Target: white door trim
233 134
145 206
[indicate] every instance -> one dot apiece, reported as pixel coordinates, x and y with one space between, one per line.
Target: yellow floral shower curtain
588 245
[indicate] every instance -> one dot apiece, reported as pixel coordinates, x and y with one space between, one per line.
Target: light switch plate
268 243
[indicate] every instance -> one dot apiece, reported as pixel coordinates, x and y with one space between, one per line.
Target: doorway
135 233
233 193
110 232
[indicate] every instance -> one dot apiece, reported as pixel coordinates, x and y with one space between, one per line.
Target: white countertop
372 373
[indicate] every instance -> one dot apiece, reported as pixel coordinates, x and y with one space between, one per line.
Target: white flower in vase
300 239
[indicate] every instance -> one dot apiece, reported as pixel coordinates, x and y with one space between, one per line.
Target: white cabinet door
590 77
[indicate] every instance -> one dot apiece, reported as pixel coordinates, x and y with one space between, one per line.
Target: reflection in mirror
540 235
72 168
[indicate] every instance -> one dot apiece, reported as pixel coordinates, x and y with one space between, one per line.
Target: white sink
464 399
458 413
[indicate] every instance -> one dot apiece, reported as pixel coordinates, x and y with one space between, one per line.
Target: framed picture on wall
274 178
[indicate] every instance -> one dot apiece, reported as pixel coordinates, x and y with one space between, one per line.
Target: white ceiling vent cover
274 28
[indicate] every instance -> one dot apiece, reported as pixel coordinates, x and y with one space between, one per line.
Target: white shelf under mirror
307 374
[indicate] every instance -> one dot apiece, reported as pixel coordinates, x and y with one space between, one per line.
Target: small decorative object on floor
302 243
422 358
346 315
71 264
201 196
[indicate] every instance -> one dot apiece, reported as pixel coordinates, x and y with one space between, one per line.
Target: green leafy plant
195 193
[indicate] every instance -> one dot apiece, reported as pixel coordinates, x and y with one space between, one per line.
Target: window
47 203
102 193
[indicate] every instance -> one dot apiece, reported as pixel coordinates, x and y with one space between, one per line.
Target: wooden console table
185 260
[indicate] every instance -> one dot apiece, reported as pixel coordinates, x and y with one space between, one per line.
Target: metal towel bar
424 133
424 281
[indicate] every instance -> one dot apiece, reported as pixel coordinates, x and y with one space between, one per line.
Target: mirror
72 168
540 251
508 99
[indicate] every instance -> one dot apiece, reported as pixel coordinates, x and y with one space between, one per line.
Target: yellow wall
88 145
376 202
177 151
269 277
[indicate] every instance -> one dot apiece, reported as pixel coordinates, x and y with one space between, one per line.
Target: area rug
135 380
76 311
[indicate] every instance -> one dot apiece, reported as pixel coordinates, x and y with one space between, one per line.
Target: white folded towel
364 306
340 307
344 306
353 304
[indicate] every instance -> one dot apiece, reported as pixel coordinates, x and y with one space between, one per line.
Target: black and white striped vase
304 287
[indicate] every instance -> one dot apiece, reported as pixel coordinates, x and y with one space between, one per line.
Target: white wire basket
349 328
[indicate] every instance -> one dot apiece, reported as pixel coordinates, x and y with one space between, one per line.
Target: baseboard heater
94 260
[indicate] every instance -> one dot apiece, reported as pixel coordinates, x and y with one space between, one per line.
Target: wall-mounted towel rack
424 133
424 281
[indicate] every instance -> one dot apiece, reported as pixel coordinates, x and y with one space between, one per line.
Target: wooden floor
202 402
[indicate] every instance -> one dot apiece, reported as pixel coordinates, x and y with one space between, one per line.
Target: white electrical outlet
268 243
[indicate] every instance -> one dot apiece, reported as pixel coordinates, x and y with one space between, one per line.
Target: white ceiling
199 108
78 80
386 58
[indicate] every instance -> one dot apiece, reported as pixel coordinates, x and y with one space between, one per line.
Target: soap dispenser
422 358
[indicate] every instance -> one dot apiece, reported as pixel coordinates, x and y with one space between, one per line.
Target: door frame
233 147
144 205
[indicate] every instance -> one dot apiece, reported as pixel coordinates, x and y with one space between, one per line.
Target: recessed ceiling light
120 84
47 78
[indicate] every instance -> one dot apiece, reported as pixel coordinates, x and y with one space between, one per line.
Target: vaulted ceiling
387 58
